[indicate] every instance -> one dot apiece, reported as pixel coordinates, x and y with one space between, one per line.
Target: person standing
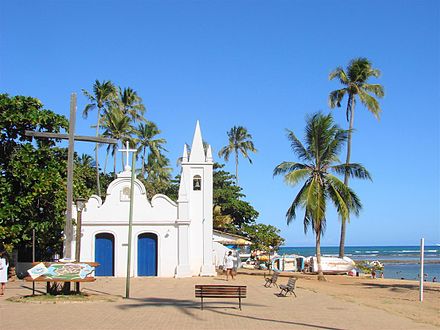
229 264
3 271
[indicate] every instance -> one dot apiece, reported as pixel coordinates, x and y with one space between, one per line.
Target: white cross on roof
127 151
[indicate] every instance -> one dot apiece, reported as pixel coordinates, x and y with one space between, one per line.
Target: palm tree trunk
114 161
143 163
318 256
236 168
98 185
350 111
106 160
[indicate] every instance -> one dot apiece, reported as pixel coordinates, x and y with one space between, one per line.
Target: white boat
331 265
288 263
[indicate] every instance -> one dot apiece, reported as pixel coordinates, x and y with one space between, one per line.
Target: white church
169 239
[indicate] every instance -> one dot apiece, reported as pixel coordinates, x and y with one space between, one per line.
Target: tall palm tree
146 138
240 142
116 126
323 142
158 174
158 169
355 80
131 104
102 96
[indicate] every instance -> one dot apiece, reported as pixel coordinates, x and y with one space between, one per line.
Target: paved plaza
159 303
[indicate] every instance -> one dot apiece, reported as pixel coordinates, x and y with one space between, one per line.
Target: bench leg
239 302
202 302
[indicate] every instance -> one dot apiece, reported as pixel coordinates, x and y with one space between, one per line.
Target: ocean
400 262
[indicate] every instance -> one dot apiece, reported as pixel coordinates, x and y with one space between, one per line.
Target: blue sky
260 64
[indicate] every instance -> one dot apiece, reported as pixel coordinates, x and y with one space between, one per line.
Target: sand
157 303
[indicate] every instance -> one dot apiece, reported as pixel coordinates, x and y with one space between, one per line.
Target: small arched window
197 182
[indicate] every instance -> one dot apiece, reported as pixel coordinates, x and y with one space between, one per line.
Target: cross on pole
127 151
70 152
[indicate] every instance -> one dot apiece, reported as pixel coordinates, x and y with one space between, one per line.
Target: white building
168 238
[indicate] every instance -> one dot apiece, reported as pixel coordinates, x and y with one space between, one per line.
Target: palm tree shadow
277 321
184 305
189 307
399 287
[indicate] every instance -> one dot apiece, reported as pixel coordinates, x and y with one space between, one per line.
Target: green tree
355 79
131 104
33 176
146 136
116 126
158 175
264 237
103 95
228 196
240 142
323 142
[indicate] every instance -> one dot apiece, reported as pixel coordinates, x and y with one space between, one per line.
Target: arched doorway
147 254
105 254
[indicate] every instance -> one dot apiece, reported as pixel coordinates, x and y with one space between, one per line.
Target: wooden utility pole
68 228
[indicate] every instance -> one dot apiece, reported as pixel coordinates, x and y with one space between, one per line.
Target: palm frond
370 102
338 193
376 89
224 153
351 200
294 177
340 74
337 141
335 98
87 109
298 201
354 170
297 147
287 167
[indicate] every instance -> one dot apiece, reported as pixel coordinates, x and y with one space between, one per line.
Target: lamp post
80 205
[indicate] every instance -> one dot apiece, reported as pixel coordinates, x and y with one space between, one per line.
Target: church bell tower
195 209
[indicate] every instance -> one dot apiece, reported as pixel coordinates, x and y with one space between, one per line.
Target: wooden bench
220 291
57 282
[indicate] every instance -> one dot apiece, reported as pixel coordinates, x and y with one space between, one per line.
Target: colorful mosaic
60 271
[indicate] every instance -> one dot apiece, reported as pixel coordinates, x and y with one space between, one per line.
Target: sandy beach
158 303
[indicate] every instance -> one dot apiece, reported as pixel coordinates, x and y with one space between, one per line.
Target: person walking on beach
229 264
3 271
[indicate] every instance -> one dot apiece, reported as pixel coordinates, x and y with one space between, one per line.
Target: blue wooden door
147 254
104 254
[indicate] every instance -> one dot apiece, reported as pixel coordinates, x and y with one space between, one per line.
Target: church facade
169 239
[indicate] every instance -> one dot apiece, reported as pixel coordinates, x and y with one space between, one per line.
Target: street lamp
80 205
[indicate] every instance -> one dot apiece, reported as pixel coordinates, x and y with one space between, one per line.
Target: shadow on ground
399 287
228 309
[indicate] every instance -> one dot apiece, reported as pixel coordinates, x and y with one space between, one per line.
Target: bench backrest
275 277
219 291
291 282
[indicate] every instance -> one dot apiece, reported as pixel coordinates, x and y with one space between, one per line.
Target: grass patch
51 299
